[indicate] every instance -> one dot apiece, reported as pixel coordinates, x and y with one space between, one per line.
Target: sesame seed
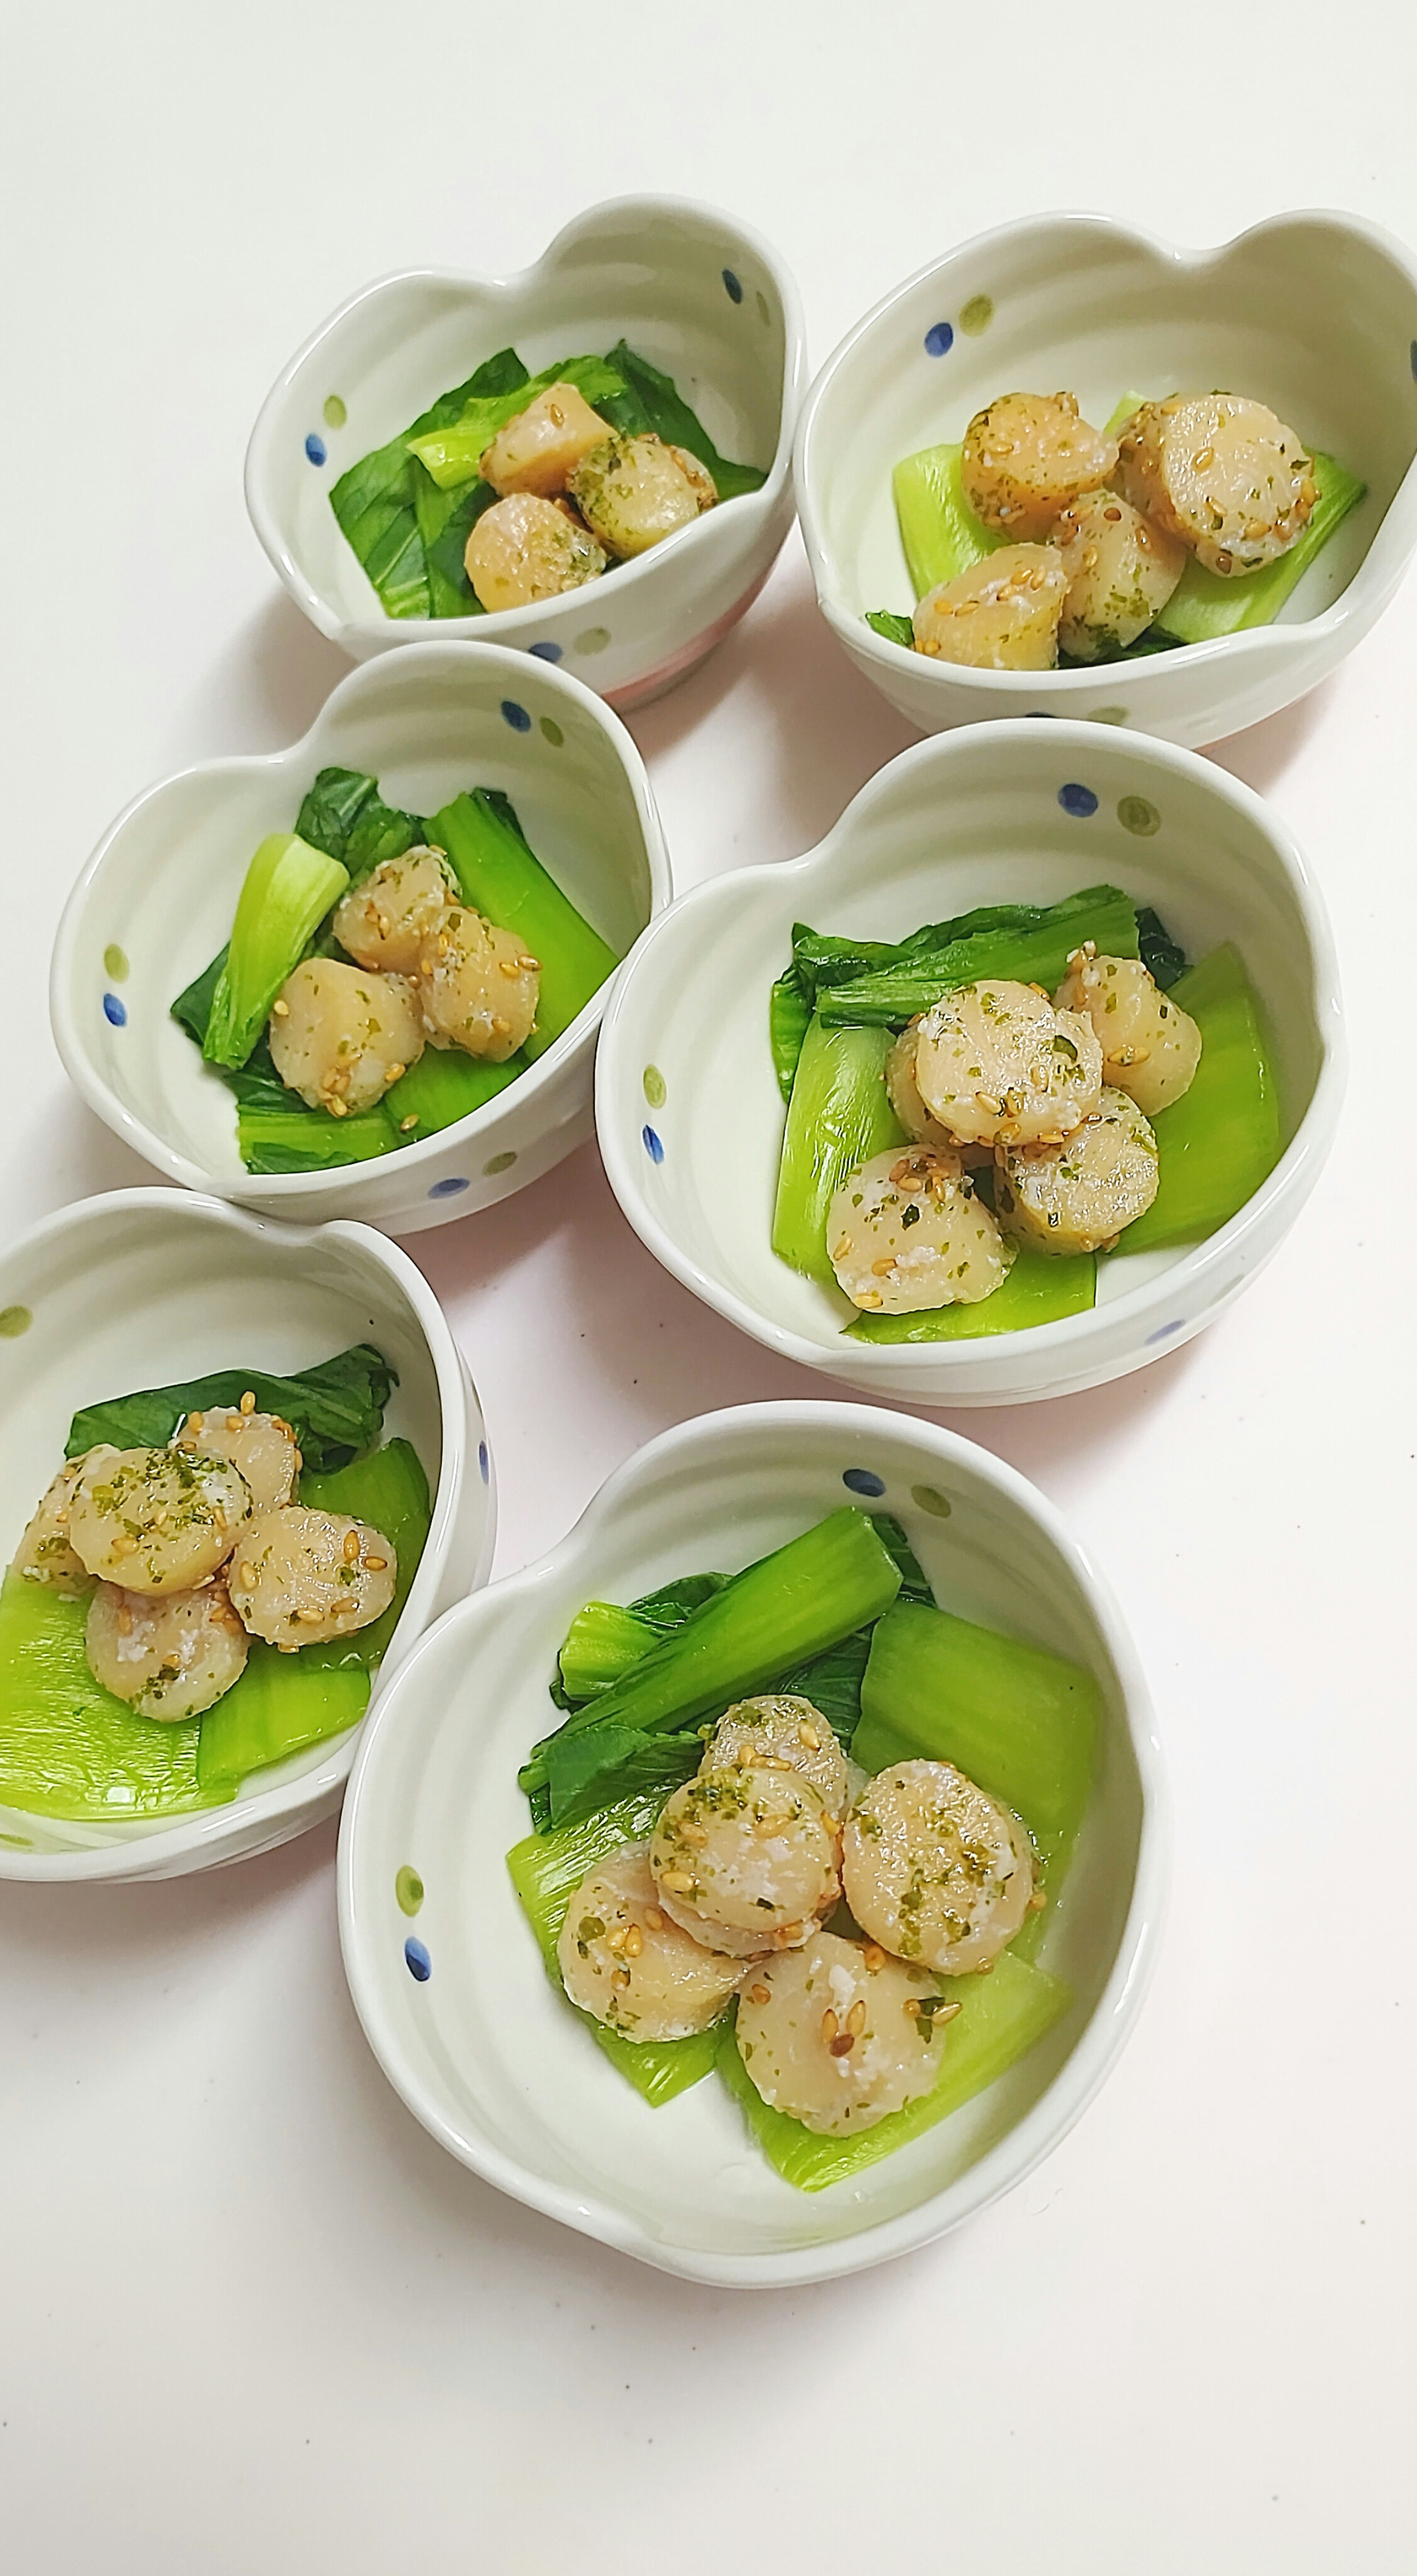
406 1123
351 1547
508 966
617 1939
829 2025
678 1881
621 1978
873 1956
654 1920
634 1941
530 965
396 1071
843 2044
870 1297
912 2007
280 1010
375 1564
808 1735
246 1577
311 1616
337 1108
883 1269
233 1422
1037 1901
761 1994
125 1620
248 1402
856 2018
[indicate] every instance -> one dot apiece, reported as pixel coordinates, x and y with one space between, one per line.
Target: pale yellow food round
998 1063
156 1520
627 1962
935 1870
1079 1197
263 1448
1000 615
45 1554
1221 473
170 1657
386 921
903 1091
779 1727
838 2036
745 1860
537 451
340 1035
525 549
478 987
906 1234
632 493
1121 572
1150 1046
300 1576
1026 456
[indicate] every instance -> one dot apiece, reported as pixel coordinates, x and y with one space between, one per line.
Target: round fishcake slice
169 1657
1221 473
626 1962
301 1576
386 921
998 1063
1078 1197
1026 457
934 1869
1150 1046
1121 572
906 1234
903 1092
838 2036
746 1860
156 1520
341 1035
780 1729
44 1554
525 548
260 1444
1000 615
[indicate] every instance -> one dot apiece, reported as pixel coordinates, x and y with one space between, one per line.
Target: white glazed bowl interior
1314 314
973 817
147 1288
692 290
161 890
493 2061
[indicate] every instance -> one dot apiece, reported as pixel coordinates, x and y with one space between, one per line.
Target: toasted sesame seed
761 1994
634 1941
406 1123
530 965
678 1881
192 1427
248 1402
375 1564
694 1835
508 966
1203 457
829 2025
280 1010
1037 1901
396 1072
654 1920
870 1297
883 1269
843 2044
312 1617
246 1577
987 1101
621 1978
873 1956
808 1735
912 2006
842 1248
1112 513
233 1422
337 1108
856 2018
351 1547
616 1939
125 1620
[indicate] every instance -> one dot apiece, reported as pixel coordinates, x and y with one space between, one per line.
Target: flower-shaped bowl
1314 314
688 1111
149 1288
692 290
446 1976
155 904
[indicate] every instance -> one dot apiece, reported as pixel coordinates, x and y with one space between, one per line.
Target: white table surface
250 2315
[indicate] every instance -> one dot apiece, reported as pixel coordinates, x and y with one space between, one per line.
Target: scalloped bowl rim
207 1830
1078 2079
1308 1146
345 1180
495 624
1258 642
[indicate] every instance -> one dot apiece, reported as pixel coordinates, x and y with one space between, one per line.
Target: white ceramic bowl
493 2061
156 900
148 1287
1315 314
688 1111
692 290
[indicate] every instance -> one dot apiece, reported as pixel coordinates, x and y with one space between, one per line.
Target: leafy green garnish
335 1409
345 816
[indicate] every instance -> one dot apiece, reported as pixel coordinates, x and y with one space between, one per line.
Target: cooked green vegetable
289 888
335 1409
789 1018
282 1704
68 1748
652 401
500 876
1163 957
451 455
444 1086
1031 946
546 1870
1001 2016
345 815
793 1604
1020 1721
377 502
1040 1289
602 1642
837 1118
893 626
938 530
1223 1137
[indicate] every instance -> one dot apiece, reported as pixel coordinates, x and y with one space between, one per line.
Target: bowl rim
934 1363
1389 549
509 623
1101 2038
207 1830
345 1181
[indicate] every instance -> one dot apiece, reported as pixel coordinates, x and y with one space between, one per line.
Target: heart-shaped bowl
1313 314
693 291
445 1973
688 1111
153 1287
155 904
